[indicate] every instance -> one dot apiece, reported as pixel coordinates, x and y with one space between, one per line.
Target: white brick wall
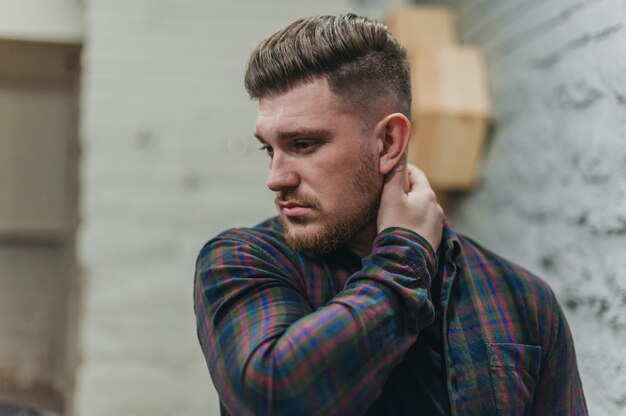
169 161
553 191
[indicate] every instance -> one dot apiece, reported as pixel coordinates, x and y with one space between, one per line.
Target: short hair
362 62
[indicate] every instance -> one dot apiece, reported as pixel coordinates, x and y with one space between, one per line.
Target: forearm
332 361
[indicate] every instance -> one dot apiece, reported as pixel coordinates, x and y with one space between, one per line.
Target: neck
361 244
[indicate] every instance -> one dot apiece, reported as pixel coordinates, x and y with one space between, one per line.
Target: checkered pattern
288 334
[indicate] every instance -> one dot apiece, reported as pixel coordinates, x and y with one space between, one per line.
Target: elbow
276 387
271 383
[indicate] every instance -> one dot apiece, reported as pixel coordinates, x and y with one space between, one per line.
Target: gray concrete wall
552 195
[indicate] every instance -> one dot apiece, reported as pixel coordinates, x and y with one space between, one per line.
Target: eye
304 145
267 149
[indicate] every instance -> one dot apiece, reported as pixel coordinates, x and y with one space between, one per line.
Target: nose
282 174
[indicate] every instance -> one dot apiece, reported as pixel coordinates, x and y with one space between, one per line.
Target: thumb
397 180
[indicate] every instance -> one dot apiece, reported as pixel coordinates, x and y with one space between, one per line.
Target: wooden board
448 149
451 114
423 25
38 140
449 80
39 63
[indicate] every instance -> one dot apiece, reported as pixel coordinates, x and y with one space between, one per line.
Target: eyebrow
291 134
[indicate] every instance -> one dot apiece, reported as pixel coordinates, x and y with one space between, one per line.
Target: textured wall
169 160
553 190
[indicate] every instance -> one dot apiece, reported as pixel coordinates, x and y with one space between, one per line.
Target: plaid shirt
288 334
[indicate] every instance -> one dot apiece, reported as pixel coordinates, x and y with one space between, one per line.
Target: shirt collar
450 243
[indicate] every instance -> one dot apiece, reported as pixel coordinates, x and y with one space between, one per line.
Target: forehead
306 105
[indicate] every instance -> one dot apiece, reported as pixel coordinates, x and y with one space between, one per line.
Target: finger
397 179
417 177
407 182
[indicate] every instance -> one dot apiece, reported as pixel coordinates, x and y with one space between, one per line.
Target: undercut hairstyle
364 64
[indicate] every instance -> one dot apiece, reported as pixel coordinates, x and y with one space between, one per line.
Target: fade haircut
363 63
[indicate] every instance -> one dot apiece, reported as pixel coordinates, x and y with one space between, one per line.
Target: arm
269 352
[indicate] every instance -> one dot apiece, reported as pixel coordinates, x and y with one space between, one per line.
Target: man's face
323 167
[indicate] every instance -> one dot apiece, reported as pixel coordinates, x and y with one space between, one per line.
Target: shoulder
481 261
521 308
247 251
266 236
520 298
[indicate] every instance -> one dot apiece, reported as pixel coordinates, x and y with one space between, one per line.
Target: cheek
333 190
344 188
334 178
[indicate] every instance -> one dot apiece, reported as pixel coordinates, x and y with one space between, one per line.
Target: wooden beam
41 399
423 25
42 234
34 63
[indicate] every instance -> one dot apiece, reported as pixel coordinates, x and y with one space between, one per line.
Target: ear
393 132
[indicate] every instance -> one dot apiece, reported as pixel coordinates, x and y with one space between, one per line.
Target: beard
333 231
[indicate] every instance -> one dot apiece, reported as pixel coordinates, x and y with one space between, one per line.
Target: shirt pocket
514 372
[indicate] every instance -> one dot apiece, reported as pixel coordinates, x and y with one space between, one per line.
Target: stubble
335 231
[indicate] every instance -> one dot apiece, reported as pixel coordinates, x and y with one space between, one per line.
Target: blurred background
126 143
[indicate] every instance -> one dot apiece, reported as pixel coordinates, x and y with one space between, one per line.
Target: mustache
298 198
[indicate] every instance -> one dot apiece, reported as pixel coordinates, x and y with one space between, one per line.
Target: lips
294 209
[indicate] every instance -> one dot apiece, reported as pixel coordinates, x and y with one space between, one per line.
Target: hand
416 210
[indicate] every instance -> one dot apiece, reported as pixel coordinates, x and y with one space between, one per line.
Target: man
358 298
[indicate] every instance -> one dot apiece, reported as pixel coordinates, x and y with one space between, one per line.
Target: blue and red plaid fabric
288 334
